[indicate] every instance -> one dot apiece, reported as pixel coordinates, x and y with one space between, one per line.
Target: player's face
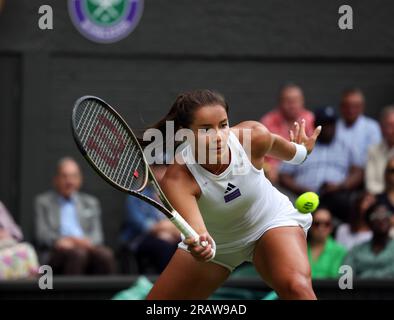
321 226
68 179
291 103
211 129
352 107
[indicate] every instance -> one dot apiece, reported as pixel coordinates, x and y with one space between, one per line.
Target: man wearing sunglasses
375 258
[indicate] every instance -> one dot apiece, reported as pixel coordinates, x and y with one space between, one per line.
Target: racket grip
188 231
183 226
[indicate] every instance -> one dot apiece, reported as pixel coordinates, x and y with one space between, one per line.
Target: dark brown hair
183 109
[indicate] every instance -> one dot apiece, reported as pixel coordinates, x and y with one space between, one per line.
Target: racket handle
183 226
188 231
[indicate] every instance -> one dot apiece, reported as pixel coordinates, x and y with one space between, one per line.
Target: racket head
108 144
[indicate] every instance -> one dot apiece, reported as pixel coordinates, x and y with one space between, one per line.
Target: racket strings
85 122
113 170
94 154
109 145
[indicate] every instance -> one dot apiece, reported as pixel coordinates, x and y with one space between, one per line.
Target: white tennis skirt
230 259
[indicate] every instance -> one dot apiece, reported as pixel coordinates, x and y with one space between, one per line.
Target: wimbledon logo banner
105 21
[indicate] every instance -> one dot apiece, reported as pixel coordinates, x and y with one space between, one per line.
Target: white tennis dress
239 205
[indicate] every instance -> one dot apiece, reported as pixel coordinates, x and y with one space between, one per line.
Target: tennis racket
111 148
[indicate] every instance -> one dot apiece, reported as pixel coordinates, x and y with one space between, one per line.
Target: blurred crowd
351 169
68 233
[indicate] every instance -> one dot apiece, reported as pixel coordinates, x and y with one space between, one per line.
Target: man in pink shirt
290 109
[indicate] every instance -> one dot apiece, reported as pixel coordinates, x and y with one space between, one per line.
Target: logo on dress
231 192
105 21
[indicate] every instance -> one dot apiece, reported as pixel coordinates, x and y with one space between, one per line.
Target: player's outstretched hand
299 136
201 253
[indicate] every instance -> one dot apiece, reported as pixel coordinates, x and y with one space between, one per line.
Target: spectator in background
325 254
333 169
291 108
387 197
17 259
357 230
147 233
68 224
354 127
374 258
380 153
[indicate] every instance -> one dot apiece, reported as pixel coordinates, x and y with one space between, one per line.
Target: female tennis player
232 203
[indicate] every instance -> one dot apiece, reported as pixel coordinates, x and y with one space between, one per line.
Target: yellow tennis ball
307 202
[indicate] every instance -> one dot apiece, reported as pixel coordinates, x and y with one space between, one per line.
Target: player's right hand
199 252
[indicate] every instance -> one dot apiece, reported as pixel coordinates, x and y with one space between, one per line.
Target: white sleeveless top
240 202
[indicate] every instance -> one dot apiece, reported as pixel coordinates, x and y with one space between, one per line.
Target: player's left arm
264 142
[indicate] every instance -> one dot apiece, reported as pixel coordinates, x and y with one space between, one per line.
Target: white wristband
300 155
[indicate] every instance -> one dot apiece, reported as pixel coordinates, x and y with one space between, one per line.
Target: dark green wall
246 49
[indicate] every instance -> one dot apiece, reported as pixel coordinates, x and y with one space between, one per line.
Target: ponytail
182 110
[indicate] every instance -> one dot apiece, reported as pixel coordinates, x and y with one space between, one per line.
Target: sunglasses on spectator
390 170
325 224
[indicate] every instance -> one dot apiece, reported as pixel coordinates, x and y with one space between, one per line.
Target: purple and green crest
105 21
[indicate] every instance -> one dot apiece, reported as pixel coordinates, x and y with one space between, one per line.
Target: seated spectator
17 259
68 225
356 231
290 109
374 258
333 169
148 234
354 127
324 253
387 197
379 154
